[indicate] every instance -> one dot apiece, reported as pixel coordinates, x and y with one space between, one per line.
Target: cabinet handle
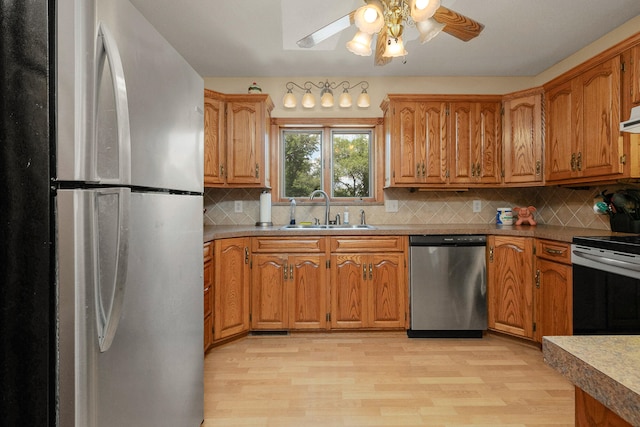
364 272
424 170
418 170
553 251
257 170
490 253
246 255
573 162
537 279
579 161
538 167
221 171
291 271
370 271
285 272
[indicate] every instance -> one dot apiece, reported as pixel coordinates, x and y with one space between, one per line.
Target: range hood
633 124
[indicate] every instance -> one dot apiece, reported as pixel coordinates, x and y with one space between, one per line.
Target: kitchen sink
328 227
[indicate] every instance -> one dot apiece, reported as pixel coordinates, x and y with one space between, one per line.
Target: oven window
604 303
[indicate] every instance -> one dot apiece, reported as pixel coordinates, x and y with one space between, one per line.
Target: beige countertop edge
606 367
550 232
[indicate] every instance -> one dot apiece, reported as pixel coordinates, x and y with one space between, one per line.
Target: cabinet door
208 304
214 142
561 144
231 287
348 298
488 164
523 139
244 149
407 151
463 143
635 77
269 281
600 121
510 285
307 291
386 291
554 286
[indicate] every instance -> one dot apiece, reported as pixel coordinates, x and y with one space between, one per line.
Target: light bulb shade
326 98
369 18
428 29
360 44
308 101
422 10
395 48
345 100
289 100
363 100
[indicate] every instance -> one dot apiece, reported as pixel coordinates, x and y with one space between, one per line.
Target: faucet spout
326 204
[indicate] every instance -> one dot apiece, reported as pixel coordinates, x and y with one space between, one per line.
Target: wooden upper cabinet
522 138
418 142
634 71
214 139
237 140
583 116
475 142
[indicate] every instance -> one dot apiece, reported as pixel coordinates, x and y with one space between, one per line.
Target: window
342 156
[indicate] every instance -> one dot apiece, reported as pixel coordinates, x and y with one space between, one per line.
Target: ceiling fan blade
327 31
458 25
381 46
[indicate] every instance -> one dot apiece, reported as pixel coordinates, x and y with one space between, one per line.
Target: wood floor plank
382 379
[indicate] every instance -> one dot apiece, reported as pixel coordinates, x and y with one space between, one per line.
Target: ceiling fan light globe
308 101
422 10
363 100
345 100
428 29
395 48
360 44
289 100
369 18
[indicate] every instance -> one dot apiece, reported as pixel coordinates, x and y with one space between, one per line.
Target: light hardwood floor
382 379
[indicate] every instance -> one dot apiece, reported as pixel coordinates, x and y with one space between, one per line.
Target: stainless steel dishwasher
448 285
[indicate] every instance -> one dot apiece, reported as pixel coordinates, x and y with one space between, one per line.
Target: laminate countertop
606 367
541 231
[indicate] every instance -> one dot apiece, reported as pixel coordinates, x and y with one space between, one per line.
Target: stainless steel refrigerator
128 213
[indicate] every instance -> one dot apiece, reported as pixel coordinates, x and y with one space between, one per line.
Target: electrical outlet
237 206
477 206
391 206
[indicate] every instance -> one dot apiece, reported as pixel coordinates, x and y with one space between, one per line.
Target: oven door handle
607 261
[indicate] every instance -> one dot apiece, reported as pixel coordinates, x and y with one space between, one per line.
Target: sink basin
328 227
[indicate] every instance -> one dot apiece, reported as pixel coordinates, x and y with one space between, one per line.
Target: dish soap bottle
292 211
345 216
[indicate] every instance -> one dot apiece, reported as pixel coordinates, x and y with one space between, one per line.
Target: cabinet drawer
554 251
290 244
368 244
208 251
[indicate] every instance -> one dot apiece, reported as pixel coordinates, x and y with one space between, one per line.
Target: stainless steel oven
606 285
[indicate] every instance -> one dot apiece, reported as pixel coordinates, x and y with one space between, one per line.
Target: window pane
351 174
302 162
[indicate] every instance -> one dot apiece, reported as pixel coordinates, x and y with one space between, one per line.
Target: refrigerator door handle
109 297
107 44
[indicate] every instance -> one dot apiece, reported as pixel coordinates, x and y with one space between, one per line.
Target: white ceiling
248 38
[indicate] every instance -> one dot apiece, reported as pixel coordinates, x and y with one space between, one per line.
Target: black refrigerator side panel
26 290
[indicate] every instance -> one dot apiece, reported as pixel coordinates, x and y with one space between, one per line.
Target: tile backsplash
555 206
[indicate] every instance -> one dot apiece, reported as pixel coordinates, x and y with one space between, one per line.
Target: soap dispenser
345 216
292 211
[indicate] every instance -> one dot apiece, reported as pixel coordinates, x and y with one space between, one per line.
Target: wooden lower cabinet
369 282
208 294
231 287
554 289
590 412
510 285
288 290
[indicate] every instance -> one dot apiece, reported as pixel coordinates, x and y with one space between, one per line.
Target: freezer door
151 373
133 115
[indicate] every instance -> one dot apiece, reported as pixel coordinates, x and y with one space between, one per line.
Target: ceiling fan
387 19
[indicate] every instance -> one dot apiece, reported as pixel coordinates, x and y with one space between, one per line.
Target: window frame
327 126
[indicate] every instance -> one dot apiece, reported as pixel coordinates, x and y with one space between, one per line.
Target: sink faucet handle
338 219
316 221
363 219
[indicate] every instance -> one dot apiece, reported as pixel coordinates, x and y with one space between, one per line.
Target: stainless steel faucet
363 219
326 204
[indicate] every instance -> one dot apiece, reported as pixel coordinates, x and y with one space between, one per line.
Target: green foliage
302 163
351 154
